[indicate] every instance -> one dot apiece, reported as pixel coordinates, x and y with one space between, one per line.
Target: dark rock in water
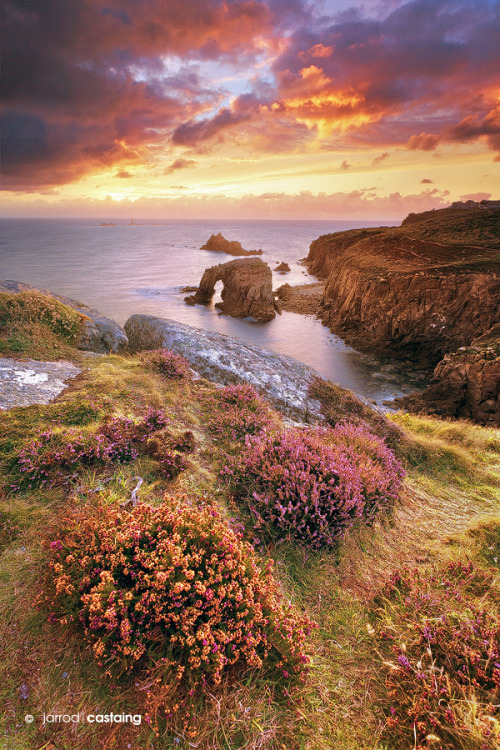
224 359
219 244
99 334
247 289
283 268
187 289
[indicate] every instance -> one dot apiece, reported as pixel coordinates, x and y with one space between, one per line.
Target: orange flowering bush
172 587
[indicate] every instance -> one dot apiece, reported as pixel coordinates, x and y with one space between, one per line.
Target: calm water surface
127 269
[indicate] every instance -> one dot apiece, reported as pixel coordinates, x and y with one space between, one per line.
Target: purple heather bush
168 364
52 456
237 411
439 640
298 485
380 472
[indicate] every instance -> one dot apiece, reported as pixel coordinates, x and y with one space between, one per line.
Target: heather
438 633
166 363
237 411
173 590
312 486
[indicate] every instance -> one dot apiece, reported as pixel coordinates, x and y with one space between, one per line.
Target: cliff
416 291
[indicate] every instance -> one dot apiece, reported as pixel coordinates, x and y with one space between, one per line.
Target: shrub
237 411
440 659
295 486
380 472
169 365
51 455
172 589
33 307
313 484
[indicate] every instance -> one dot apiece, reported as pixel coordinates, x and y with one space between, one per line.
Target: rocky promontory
218 243
247 289
416 291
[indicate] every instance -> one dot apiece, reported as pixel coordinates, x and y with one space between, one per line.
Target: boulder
219 244
99 334
247 290
283 268
284 381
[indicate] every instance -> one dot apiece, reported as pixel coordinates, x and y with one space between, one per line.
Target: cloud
358 205
345 165
426 181
380 158
116 84
180 164
124 175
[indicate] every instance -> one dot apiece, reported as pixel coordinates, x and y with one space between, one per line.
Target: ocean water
140 268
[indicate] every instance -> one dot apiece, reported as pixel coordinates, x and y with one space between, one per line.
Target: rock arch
247 289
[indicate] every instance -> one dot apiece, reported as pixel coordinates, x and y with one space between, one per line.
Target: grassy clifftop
71 490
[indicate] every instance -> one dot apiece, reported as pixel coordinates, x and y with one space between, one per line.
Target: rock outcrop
99 334
33 382
417 291
465 384
247 289
283 268
224 359
217 243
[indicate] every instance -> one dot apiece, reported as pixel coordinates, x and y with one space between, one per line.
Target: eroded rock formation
465 384
247 289
219 244
99 334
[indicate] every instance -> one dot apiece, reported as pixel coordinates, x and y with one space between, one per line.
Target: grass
449 511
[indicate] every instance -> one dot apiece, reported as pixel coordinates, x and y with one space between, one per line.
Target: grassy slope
448 240
453 480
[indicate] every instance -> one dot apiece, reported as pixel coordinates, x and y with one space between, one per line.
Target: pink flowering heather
440 656
379 470
295 486
237 411
312 485
168 364
171 589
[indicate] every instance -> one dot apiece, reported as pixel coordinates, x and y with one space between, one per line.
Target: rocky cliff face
414 291
247 291
465 384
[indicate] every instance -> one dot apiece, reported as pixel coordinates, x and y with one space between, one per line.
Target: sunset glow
248 108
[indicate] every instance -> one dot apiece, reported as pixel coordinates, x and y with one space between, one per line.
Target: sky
259 109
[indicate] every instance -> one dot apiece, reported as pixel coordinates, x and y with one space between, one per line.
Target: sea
139 266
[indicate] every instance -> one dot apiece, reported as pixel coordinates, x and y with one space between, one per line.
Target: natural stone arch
247 289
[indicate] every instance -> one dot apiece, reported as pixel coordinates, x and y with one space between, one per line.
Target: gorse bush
171 589
169 365
237 411
298 485
33 307
440 659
